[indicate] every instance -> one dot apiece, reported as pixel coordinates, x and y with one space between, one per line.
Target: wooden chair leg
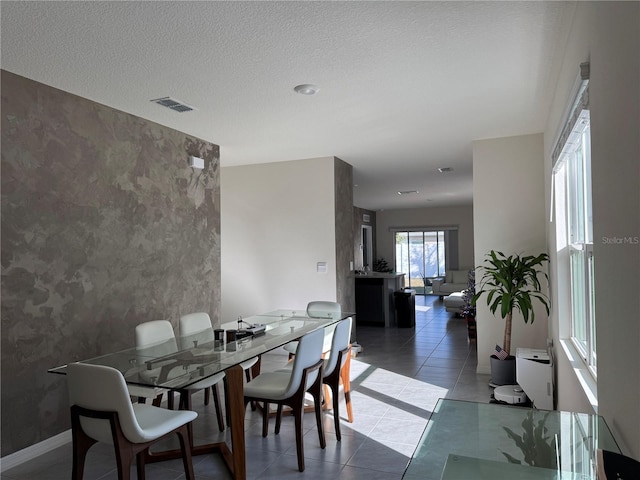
254 371
316 392
184 402
336 412
216 402
345 376
298 411
124 459
81 444
185 447
278 418
207 396
140 457
265 419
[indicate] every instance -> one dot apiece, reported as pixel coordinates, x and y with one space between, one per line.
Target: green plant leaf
512 283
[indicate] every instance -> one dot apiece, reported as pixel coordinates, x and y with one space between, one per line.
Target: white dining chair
289 388
337 370
158 334
153 339
318 309
199 322
101 411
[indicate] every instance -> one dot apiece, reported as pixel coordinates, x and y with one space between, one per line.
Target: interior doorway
367 248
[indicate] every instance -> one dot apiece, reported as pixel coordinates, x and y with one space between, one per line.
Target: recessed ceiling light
306 89
445 169
407 192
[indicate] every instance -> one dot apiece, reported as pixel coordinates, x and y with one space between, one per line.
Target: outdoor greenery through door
420 256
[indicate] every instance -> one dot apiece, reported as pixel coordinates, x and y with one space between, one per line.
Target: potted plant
468 310
511 283
381 266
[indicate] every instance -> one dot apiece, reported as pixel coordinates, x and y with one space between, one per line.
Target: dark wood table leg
235 382
234 458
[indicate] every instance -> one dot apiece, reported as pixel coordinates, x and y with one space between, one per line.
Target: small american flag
500 353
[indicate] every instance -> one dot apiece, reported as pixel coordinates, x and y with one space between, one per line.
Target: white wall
461 216
607 34
277 222
508 216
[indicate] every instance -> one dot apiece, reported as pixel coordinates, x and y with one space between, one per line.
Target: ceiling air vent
173 104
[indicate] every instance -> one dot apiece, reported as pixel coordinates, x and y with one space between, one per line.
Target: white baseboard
34 451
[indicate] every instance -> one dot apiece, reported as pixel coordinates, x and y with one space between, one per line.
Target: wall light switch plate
321 267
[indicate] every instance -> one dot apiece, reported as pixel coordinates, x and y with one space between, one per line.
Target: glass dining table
199 356
465 440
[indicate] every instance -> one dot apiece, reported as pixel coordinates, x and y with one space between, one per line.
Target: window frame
571 189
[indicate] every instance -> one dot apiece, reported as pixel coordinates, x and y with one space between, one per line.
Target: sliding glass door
420 255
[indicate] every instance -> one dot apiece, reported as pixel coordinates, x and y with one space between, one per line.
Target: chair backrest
97 387
309 352
155 338
149 334
195 323
341 339
321 308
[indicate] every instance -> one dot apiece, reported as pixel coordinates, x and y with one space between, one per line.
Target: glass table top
465 440
185 360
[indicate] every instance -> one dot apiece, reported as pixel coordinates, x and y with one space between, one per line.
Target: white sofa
453 281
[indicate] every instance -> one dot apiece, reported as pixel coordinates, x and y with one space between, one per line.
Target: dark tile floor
396 381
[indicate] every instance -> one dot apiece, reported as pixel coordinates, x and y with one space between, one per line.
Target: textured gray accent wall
104 226
345 284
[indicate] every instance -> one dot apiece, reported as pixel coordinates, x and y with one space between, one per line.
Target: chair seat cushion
247 364
291 347
271 385
145 392
207 382
155 421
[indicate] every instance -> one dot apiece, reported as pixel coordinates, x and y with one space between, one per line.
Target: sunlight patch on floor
390 406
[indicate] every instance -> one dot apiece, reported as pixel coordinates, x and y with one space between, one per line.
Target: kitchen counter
374 298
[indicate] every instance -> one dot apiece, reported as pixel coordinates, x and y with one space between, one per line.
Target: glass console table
466 440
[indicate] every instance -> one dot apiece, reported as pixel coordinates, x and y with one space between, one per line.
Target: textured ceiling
405 87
